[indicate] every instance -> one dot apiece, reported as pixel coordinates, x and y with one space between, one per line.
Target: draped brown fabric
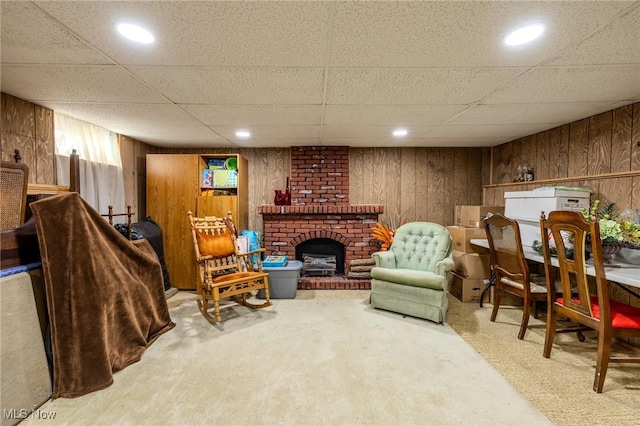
105 294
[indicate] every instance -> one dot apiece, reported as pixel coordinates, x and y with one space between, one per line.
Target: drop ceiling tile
182 137
372 131
269 132
544 113
242 115
494 131
75 83
218 86
616 43
415 86
124 118
284 142
572 84
458 33
395 115
211 33
364 142
462 141
31 36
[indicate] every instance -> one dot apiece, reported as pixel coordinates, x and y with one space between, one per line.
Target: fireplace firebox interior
323 246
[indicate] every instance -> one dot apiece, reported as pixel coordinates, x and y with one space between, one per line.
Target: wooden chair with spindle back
224 271
510 269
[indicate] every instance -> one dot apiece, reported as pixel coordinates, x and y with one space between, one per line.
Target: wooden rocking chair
224 272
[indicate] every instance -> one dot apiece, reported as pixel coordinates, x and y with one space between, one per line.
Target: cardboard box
472 216
471 265
461 237
466 289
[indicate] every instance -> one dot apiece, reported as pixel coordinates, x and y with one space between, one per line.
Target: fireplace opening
324 247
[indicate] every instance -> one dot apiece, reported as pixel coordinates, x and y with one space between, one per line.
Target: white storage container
526 206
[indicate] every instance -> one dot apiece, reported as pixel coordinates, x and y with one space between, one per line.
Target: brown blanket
105 294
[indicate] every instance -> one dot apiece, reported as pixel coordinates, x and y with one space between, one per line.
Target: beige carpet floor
326 358
560 386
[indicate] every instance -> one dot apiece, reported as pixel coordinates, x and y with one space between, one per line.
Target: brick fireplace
320 209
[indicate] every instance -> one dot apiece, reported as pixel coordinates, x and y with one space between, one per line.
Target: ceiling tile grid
322 72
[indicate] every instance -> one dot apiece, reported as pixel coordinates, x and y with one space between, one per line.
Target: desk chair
510 268
591 309
224 272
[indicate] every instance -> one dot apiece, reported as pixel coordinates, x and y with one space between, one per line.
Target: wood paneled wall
413 184
601 152
28 128
133 154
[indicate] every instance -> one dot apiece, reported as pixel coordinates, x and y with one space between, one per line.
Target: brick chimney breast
319 185
319 175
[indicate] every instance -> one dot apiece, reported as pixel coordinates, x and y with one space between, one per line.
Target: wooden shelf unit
174 187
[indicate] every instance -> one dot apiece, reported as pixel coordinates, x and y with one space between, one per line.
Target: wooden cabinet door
219 205
173 184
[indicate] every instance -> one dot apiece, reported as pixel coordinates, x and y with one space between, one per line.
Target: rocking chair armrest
260 250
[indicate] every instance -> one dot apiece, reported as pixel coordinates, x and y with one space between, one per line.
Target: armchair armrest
385 259
444 266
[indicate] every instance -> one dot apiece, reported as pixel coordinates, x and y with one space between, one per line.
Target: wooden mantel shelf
322 209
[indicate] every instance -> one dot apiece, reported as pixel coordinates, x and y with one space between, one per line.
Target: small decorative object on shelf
525 174
279 199
283 198
528 174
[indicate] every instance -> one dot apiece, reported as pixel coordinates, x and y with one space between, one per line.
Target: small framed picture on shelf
207 178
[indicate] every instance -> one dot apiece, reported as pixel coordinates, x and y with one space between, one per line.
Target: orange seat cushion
236 275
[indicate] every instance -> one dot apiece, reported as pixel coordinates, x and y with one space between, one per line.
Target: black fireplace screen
320 254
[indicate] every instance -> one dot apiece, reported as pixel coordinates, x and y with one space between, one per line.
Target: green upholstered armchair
411 278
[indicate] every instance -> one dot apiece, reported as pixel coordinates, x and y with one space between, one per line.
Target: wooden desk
623 272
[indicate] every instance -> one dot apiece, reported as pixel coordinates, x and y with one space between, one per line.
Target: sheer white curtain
101 178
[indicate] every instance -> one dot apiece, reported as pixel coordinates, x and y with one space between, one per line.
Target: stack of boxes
471 263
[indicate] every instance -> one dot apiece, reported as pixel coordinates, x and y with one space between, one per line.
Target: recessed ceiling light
524 35
400 132
243 134
135 33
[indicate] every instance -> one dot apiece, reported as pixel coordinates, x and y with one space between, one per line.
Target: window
101 178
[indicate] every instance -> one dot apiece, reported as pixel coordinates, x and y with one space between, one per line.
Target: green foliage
613 226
